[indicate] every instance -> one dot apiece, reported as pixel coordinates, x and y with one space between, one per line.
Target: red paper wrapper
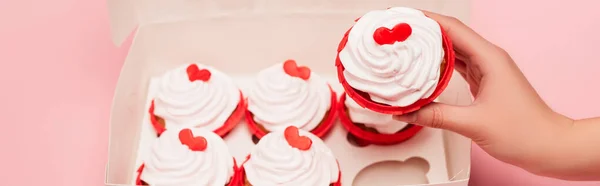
235 179
371 137
229 124
242 174
362 98
320 131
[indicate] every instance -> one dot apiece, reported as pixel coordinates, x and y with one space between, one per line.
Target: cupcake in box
188 157
285 95
372 127
290 157
196 96
395 61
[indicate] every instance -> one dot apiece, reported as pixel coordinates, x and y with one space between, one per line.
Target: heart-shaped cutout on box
292 136
195 143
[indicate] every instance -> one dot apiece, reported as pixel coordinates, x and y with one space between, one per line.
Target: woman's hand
507 119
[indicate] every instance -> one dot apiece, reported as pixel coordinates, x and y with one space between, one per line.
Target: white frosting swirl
383 123
279 100
396 74
171 163
274 162
184 104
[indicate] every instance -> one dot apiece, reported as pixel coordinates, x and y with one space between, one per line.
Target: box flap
125 15
123 19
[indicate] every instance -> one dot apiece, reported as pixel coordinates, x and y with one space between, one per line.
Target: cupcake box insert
242 37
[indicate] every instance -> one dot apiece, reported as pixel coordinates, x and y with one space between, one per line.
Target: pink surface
60 69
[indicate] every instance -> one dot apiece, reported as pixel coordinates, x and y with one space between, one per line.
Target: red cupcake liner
229 124
233 182
371 137
235 118
320 131
362 98
242 174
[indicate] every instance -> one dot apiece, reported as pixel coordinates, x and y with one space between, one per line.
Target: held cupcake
196 96
188 157
290 157
372 127
395 61
290 95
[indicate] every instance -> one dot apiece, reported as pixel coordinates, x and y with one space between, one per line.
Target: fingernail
409 118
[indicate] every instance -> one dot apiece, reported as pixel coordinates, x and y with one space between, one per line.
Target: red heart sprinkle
304 73
399 33
292 136
291 68
194 73
195 143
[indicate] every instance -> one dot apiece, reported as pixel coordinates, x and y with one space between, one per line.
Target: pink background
60 70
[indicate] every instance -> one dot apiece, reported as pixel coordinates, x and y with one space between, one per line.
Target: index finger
464 39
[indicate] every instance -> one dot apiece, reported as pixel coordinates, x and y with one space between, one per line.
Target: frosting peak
274 162
394 55
186 98
278 100
171 163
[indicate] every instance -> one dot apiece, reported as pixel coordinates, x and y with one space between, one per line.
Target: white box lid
126 15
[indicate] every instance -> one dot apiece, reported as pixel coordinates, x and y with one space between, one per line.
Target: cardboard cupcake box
241 37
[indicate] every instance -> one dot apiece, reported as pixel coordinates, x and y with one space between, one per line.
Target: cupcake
290 95
290 157
196 96
372 127
395 61
188 157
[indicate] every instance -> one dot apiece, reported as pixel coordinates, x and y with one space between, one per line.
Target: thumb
442 116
